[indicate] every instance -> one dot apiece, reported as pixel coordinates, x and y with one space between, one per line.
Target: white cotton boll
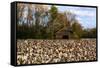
65 54
29 62
85 53
79 43
27 54
22 57
57 51
56 60
71 49
79 54
31 53
38 43
24 62
70 56
60 54
19 56
21 44
72 59
85 58
47 61
18 62
35 58
32 61
68 50
26 42
80 50
27 49
31 49
25 57
47 52
43 61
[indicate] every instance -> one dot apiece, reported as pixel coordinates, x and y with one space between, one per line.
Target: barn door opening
65 37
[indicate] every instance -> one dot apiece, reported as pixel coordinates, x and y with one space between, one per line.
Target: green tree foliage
77 29
89 33
53 11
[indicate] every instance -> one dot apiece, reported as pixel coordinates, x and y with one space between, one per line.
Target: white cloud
80 11
83 12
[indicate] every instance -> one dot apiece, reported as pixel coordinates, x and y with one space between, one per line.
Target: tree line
40 22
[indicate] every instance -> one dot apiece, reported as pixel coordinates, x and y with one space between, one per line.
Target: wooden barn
64 33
